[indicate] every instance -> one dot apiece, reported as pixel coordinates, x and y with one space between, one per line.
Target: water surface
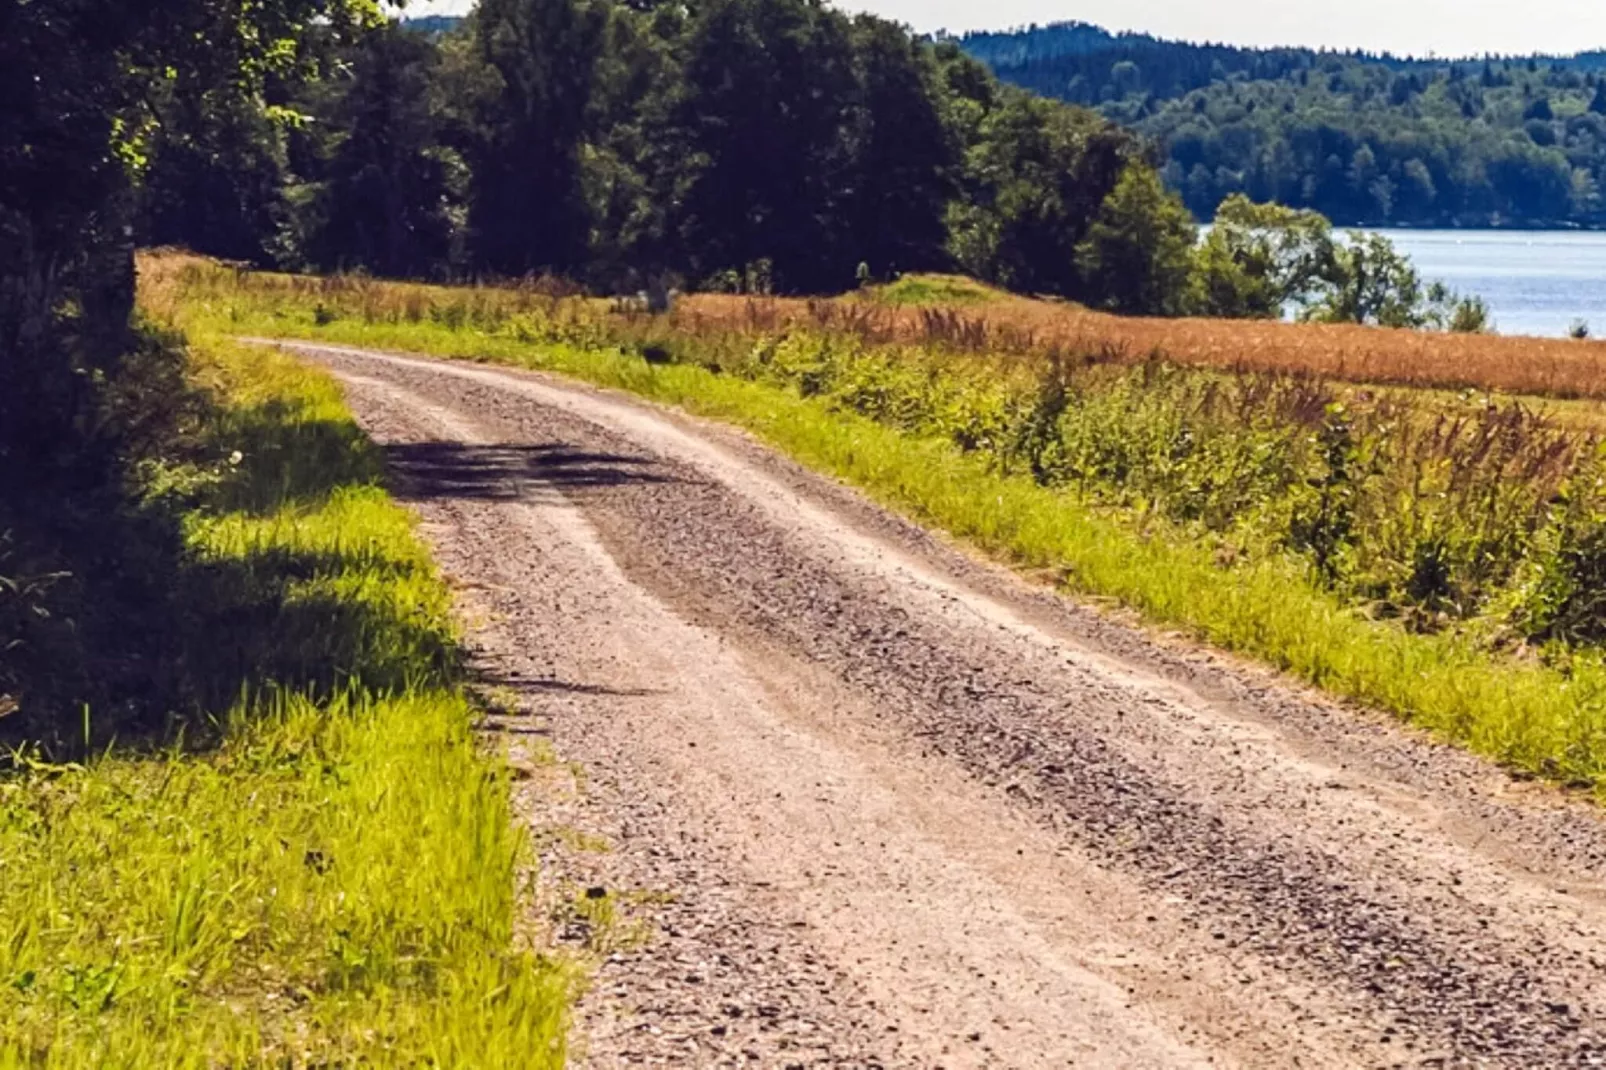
1536 282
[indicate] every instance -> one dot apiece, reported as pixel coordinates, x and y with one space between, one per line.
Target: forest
733 145
1364 139
747 145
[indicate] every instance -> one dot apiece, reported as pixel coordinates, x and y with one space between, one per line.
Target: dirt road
882 805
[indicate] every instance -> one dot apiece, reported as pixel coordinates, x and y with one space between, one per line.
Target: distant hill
1365 138
1016 47
1076 61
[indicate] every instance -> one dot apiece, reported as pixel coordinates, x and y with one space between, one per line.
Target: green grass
326 874
1547 720
929 290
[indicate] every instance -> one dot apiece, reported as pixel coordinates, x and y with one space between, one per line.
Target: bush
89 559
1564 598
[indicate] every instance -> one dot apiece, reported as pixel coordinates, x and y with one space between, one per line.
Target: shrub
1564 598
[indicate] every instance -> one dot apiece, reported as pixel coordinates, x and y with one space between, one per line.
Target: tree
764 116
217 178
391 196
1371 283
1138 253
905 159
634 168
1259 259
1449 311
1036 176
528 209
80 82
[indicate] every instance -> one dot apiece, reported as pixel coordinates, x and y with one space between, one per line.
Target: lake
1536 282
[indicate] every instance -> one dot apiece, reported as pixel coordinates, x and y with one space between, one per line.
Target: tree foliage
1260 259
1139 253
89 89
387 193
1263 261
93 93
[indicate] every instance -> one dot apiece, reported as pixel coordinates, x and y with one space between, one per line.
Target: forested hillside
1361 138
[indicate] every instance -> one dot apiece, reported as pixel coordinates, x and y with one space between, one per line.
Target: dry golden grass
1560 368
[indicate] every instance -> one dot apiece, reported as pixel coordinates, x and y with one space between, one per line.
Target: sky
1414 27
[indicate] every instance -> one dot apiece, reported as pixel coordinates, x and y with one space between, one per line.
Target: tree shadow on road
427 471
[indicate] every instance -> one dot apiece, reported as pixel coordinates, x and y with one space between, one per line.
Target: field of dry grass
1557 368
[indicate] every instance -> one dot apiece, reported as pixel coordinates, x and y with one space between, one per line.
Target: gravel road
854 798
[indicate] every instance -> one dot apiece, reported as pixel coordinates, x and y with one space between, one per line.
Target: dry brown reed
1559 368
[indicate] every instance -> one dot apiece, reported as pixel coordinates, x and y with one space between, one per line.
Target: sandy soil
866 801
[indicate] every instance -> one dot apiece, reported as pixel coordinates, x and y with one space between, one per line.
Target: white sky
1418 27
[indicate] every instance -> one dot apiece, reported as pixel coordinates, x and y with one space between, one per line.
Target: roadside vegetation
917 311
1435 555
310 861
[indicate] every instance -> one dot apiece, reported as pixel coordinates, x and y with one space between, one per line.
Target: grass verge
1547 720
323 876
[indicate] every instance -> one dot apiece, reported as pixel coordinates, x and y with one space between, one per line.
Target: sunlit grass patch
325 873
920 290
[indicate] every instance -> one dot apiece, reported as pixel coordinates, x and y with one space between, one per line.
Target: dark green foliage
390 200
1037 177
528 210
906 159
1138 255
88 609
813 144
216 181
767 91
89 89
770 145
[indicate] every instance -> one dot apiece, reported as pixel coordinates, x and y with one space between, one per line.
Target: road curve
881 804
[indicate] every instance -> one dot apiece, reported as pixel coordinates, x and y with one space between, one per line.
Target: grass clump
925 290
319 868
1414 552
